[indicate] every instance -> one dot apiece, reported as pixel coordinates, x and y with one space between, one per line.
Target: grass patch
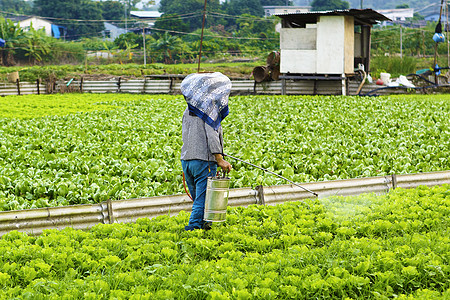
31 74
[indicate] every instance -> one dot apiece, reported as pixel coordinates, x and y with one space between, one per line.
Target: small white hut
326 45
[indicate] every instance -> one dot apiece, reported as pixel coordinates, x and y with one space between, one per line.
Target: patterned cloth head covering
207 96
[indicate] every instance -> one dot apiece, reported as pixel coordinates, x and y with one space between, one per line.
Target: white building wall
37 24
330 45
298 50
298 61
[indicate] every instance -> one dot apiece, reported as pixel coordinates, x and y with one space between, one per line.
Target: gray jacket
200 141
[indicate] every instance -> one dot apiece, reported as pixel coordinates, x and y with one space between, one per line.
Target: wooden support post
145 83
260 195
171 85
344 85
283 86
110 211
394 181
18 86
37 86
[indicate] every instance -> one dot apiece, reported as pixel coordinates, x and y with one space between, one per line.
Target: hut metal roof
362 16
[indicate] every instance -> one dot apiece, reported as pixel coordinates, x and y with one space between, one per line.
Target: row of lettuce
360 247
77 148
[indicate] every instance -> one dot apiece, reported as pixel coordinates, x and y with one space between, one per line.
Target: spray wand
265 170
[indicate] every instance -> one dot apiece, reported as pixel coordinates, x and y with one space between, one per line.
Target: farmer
206 95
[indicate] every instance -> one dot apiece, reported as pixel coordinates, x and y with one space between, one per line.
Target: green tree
249 25
131 4
192 10
212 44
276 2
148 4
257 33
170 22
16 6
14 38
417 16
164 47
37 45
126 55
240 7
124 40
320 5
73 12
112 10
185 53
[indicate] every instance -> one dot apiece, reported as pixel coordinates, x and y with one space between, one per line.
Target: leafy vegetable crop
365 247
33 106
82 148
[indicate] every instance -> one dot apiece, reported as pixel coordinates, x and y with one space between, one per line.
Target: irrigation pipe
265 170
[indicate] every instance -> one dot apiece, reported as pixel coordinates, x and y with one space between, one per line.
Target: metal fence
22 88
34 221
171 85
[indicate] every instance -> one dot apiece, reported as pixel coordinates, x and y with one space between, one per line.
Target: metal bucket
216 199
261 73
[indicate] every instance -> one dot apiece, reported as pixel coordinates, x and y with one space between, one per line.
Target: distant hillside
386 4
381 4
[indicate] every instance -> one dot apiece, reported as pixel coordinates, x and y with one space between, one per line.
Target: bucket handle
224 174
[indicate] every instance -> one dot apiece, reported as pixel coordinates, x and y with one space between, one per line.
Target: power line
257 19
137 20
171 17
213 36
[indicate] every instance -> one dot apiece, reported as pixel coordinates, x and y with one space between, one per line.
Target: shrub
394 65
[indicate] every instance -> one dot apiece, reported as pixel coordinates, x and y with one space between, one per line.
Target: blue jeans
196 173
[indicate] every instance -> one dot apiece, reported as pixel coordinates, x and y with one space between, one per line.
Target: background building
276 10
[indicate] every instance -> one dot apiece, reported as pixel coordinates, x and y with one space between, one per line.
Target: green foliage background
230 33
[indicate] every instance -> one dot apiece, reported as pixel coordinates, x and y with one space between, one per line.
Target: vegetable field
79 148
364 247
